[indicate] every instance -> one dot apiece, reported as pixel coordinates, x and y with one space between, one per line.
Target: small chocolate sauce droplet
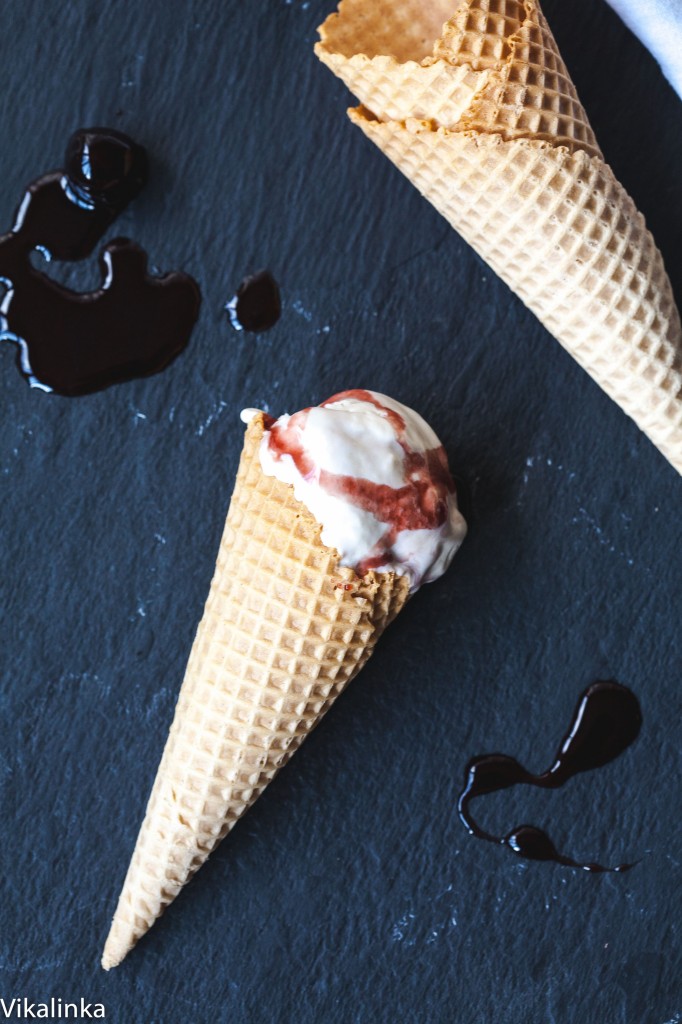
257 304
534 844
105 166
606 721
134 324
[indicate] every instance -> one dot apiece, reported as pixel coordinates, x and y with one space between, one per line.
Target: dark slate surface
350 893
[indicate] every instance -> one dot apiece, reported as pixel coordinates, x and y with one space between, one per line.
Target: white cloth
658 23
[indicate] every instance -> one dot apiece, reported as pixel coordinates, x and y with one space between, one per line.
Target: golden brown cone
482 116
284 630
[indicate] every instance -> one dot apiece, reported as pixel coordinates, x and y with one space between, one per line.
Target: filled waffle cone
473 103
285 628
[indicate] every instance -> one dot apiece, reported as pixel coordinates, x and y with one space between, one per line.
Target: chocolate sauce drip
606 721
105 167
257 304
134 324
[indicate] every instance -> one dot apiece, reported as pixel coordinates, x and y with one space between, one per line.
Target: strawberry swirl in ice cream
375 476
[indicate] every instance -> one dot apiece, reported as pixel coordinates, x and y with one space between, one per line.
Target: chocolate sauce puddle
134 324
257 304
606 721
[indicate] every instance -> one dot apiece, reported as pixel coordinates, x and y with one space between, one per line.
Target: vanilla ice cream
375 476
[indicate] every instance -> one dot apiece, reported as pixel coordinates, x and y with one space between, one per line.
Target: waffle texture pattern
474 104
285 628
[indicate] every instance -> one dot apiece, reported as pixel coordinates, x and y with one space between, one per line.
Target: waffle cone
478 110
285 628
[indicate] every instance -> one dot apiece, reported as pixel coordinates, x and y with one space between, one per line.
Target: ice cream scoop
290 618
375 476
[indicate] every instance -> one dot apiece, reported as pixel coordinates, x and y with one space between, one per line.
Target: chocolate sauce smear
257 304
134 324
606 721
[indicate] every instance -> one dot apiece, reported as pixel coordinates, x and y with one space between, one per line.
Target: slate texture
350 893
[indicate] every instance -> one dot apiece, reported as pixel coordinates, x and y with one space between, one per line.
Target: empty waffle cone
285 628
473 103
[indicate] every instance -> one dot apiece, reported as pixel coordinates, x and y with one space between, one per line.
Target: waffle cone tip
112 957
